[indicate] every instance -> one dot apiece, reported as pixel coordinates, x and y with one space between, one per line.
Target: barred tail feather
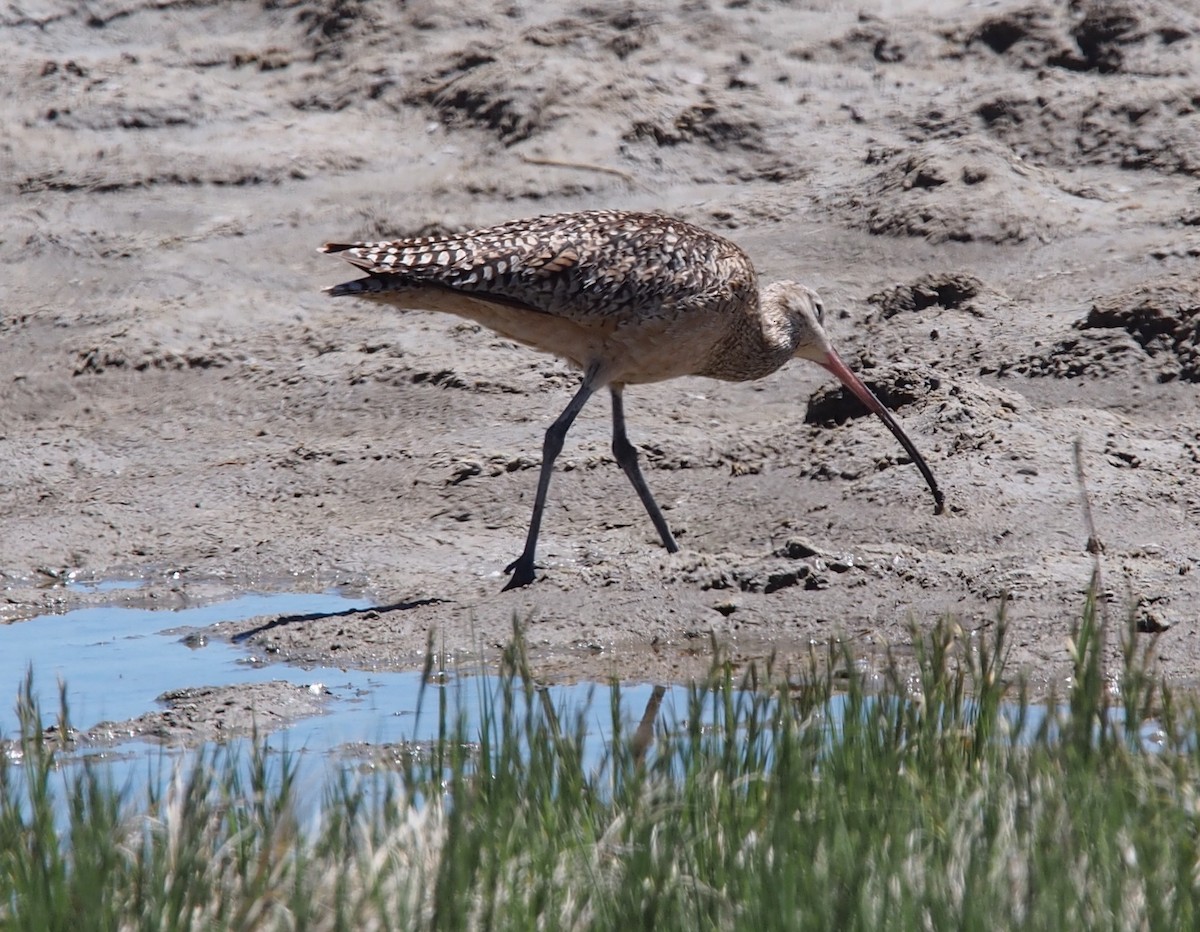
373 284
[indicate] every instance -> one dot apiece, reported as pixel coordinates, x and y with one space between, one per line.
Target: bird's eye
820 310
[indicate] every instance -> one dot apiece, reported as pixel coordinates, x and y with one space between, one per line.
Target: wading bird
625 297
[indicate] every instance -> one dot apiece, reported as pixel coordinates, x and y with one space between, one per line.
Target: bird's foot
522 570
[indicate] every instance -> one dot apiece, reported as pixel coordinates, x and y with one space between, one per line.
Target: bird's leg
627 457
522 567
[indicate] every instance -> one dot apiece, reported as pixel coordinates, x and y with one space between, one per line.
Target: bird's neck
755 345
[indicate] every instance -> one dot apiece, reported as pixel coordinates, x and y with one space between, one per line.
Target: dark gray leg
627 457
522 567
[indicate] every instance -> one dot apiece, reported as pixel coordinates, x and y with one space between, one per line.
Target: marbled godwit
627 298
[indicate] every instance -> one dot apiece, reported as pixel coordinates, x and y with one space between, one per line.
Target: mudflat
999 204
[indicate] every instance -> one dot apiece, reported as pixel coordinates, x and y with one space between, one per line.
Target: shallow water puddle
118 661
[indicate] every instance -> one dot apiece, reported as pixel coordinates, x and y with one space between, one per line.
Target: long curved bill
834 364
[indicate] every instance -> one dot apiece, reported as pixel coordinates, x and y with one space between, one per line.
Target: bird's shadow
284 620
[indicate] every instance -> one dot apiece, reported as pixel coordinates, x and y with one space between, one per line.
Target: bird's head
799 311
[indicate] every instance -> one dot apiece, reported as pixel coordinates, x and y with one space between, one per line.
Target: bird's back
589 267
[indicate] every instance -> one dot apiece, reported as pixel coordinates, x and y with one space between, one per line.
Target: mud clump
715 123
101 358
968 190
936 289
1133 127
1163 318
513 104
1093 36
1155 326
1093 354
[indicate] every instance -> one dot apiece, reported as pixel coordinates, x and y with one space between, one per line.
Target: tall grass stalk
943 801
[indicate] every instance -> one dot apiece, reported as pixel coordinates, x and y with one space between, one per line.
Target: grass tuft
943 800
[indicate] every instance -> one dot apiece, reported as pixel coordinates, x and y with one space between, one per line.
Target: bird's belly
577 343
654 350
629 350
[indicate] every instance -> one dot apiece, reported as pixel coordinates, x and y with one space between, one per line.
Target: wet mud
998 204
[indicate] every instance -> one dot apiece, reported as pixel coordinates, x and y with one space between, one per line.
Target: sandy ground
998 202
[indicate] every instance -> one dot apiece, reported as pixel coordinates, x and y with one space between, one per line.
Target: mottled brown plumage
626 297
